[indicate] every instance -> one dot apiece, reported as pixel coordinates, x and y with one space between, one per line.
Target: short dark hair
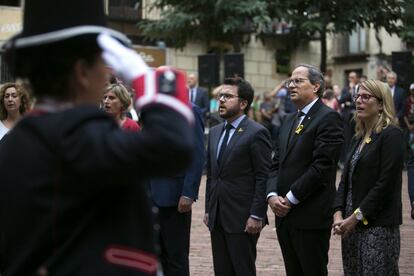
48 67
315 76
244 89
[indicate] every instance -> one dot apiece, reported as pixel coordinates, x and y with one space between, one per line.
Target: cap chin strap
63 34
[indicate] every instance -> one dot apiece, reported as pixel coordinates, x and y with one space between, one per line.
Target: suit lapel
215 136
305 123
234 139
195 95
367 147
284 134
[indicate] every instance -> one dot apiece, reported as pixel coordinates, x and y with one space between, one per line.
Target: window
357 41
5 74
352 44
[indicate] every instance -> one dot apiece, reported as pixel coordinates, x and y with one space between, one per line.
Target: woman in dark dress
368 209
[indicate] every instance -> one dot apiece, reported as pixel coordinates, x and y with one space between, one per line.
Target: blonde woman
368 201
14 102
116 101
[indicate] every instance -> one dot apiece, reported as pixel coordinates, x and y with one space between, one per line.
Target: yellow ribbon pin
240 130
299 129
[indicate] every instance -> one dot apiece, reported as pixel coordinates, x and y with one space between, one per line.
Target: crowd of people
272 107
307 127
97 189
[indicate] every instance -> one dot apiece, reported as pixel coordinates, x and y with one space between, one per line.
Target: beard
229 112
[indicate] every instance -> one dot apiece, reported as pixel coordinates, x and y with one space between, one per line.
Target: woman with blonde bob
367 207
116 101
14 102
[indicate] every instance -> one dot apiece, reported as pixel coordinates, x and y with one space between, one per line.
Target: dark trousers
233 254
305 251
174 241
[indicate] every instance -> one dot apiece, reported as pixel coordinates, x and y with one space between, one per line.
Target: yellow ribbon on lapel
299 129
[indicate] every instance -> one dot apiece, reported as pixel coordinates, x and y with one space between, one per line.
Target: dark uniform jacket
72 193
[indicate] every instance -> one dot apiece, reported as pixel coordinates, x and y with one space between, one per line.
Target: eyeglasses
364 97
295 82
225 96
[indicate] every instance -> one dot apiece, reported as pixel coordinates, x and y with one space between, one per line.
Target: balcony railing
124 14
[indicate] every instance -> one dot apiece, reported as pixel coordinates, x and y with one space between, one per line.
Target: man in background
398 94
174 197
198 95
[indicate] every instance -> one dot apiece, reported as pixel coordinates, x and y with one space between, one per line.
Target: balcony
125 10
277 28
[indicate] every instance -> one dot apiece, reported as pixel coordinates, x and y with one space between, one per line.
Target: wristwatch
360 217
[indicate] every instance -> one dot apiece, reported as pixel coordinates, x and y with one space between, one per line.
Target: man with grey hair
301 186
398 95
198 95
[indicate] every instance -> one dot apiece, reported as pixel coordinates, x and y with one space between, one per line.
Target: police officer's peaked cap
49 21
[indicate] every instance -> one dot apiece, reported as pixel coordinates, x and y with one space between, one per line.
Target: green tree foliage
227 20
314 19
206 21
408 19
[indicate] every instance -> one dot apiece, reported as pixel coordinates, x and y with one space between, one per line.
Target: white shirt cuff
292 198
256 217
270 194
188 197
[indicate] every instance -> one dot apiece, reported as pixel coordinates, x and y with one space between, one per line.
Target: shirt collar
236 122
309 106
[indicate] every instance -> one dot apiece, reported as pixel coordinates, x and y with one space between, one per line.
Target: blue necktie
224 143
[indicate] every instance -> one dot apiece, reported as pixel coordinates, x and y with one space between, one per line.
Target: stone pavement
269 257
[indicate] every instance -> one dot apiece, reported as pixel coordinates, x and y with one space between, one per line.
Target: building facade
364 51
10 24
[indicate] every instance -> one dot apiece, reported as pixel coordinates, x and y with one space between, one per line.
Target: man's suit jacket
399 99
307 166
166 192
202 101
376 179
348 108
238 185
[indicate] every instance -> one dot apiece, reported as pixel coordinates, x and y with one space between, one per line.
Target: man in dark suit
398 95
238 161
198 95
301 186
347 112
174 197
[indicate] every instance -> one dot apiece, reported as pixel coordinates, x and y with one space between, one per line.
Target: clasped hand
279 205
342 226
